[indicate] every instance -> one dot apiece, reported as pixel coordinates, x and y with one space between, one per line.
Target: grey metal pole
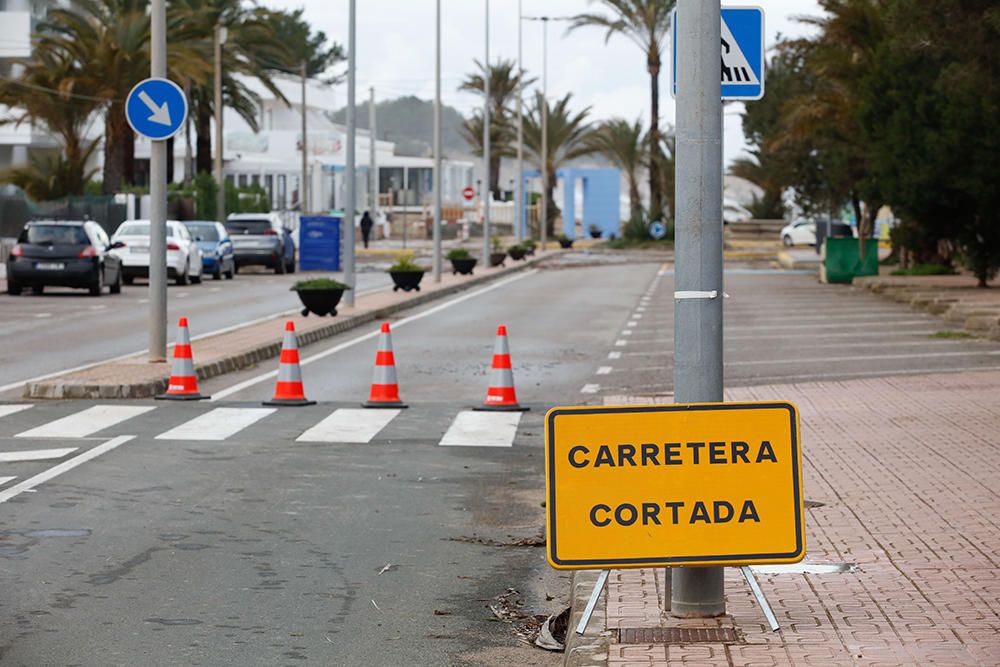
698 592
519 187
304 179
545 133
373 164
486 145
220 194
158 198
437 149
349 168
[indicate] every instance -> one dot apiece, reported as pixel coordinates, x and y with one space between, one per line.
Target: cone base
180 397
384 404
291 402
502 408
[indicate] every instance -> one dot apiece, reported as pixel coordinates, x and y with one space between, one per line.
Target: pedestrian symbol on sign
735 68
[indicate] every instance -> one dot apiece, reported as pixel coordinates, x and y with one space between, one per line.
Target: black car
63 254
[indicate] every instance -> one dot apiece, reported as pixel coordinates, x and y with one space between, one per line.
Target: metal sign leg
761 600
581 627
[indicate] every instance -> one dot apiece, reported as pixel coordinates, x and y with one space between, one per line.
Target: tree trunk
858 216
114 149
495 173
655 195
634 203
551 204
203 149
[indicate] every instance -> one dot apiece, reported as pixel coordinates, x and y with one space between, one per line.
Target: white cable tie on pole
696 294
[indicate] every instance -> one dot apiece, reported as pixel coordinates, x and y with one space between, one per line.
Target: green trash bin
842 260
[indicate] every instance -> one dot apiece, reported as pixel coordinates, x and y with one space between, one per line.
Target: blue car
217 256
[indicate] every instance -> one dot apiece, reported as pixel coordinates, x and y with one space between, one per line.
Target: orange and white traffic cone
385 390
183 384
501 394
289 390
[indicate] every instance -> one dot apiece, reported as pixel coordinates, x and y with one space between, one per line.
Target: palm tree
760 170
623 143
646 23
43 93
504 81
568 139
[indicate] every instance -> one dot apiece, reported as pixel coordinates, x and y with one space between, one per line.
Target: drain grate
677 636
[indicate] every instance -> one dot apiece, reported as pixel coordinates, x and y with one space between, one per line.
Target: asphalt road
65 328
261 548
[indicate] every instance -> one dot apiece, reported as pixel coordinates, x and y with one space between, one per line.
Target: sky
395 52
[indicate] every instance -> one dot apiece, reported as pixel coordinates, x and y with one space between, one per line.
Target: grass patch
951 334
925 270
405 264
318 284
638 244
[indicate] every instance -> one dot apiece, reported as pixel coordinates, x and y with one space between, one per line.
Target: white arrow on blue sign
156 108
742 53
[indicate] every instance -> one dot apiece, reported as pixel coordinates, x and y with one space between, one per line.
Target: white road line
590 389
621 343
97 307
614 354
349 425
182 295
482 429
57 470
4 480
11 409
83 423
217 424
214 332
603 370
636 316
36 454
43 315
632 323
627 332
240 386
214 289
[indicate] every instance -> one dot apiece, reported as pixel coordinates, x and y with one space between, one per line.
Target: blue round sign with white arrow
156 108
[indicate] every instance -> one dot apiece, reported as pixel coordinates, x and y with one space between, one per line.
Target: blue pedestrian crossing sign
742 53
156 108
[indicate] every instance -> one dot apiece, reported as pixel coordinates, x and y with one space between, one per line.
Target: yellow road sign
685 484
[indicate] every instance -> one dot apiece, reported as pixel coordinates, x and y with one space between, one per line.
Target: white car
183 254
800 232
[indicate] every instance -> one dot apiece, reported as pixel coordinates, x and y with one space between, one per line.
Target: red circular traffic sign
468 193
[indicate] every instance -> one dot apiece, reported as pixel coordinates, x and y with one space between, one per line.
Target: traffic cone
183 384
385 390
501 394
288 390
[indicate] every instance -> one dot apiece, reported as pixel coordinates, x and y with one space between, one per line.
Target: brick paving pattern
908 471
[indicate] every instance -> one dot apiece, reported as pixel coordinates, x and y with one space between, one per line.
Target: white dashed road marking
590 389
36 454
217 424
482 429
349 425
11 409
86 422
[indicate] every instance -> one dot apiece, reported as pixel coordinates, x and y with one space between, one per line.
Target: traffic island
900 523
243 347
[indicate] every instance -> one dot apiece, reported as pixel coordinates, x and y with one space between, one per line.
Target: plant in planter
529 246
564 241
320 296
499 254
595 231
461 261
517 251
406 274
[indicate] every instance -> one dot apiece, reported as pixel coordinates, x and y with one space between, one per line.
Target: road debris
386 568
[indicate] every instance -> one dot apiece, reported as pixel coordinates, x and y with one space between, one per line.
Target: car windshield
54 235
133 229
205 232
255 226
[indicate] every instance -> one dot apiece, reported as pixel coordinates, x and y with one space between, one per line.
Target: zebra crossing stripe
217 424
84 423
11 409
4 480
482 429
36 454
349 425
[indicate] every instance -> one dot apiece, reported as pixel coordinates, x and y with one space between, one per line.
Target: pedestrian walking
366 228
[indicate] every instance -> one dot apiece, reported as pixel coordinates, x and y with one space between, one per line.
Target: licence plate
50 266
139 249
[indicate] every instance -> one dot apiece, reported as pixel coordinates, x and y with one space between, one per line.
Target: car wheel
182 277
231 272
13 288
218 272
787 240
279 268
195 280
98 284
290 267
116 288
38 289
128 280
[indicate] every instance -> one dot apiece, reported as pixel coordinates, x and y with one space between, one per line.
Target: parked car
800 232
64 254
260 239
217 256
183 254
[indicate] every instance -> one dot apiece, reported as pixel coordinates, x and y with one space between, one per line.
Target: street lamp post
545 132
486 145
220 195
349 167
436 232
519 190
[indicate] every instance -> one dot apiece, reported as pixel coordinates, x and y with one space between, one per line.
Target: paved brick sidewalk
908 471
